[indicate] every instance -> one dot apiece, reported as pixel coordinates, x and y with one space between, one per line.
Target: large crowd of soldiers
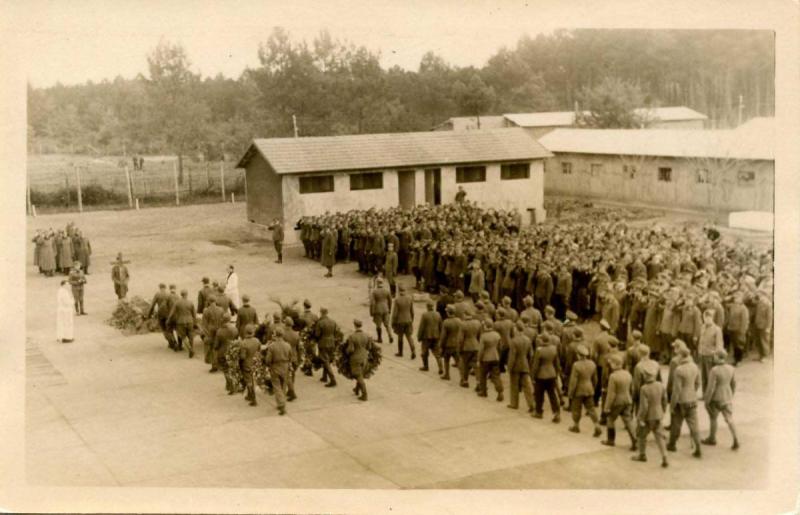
679 295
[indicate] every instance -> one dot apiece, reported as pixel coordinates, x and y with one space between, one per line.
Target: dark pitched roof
394 150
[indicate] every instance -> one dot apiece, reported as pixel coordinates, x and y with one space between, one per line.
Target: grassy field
53 180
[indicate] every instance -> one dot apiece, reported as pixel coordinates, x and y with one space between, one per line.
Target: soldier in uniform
204 295
293 339
358 347
403 321
279 358
120 277
683 402
582 381
450 339
183 317
161 306
212 321
76 281
328 257
520 353
468 347
545 372
652 405
428 335
225 335
246 315
325 331
277 238
489 361
308 320
250 346
762 322
718 397
618 401
390 268
379 309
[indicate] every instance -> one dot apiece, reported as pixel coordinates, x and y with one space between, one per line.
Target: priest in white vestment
232 287
65 312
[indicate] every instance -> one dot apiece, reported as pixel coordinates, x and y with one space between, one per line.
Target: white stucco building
288 178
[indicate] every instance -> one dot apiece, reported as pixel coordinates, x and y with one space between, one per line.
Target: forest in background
334 87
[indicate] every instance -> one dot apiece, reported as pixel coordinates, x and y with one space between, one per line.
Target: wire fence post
175 176
208 177
128 185
222 178
66 187
80 193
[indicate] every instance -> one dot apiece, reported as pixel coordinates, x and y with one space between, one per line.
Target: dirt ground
113 410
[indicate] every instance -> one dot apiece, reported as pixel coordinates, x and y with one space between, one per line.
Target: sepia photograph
387 248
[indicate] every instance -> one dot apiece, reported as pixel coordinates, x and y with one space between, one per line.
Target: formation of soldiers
56 251
251 352
655 280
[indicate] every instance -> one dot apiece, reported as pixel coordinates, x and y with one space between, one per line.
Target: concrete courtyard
114 410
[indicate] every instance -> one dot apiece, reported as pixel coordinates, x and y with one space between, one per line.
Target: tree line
329 87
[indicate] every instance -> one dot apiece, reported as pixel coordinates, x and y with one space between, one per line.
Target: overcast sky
72 42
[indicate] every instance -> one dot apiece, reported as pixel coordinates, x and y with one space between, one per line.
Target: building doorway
406 188
433 186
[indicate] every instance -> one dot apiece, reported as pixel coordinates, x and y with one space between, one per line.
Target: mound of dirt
129 317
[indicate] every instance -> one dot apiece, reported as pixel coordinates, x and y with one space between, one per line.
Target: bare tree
721 174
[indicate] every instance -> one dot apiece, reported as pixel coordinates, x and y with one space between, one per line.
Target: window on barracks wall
316 184
366 181
470 174
746 177
566 168
665 174
701 176
595 169
515 171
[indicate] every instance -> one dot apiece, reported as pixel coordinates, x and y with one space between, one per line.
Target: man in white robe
232 287
65 311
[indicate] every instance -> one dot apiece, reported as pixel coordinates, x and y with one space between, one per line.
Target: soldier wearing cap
204 295
212 321
718 397
618 401
545 372
277 238
683 401
450 339
489 360
120 277
737 323
762 322
358 347
403 321
325 332
161 306
582 381
246 315
293 339
225 335
505 328
652 405
468 347
380 306
279 358
634 350
600 347
534 314
709 343
183 318
520 354
250 346
308 319
76 281
428 335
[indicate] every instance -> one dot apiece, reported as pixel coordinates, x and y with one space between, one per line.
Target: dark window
470 174
566 168
366 181
595 169
701 176
746 177
316 184
515 171
665 174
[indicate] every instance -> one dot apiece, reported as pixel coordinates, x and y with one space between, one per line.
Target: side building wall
297 205
685 188
524 194
264 195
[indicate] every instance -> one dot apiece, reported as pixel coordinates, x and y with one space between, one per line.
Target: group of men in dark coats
57 251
